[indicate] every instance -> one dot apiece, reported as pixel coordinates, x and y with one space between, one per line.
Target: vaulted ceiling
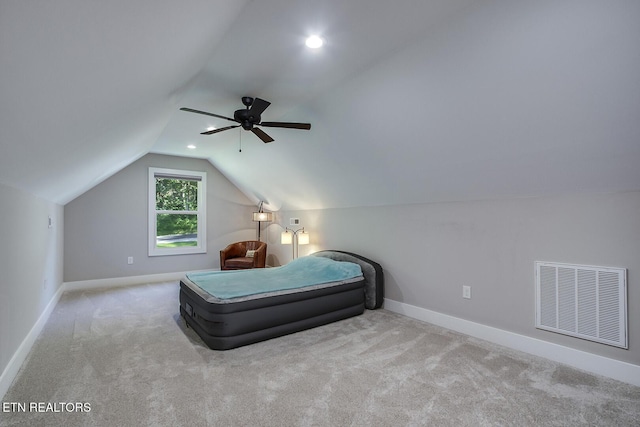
410 101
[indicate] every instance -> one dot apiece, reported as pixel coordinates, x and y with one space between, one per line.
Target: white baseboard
621 371
14 365
122 281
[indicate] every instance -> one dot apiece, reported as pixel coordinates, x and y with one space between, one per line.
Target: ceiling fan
249 117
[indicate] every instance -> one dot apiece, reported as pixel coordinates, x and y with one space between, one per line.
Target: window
177 212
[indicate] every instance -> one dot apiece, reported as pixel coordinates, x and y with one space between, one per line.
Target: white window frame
201 178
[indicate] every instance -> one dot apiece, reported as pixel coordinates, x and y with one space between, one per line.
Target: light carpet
127 353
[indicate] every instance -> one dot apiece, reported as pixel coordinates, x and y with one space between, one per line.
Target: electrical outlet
130 260
466 292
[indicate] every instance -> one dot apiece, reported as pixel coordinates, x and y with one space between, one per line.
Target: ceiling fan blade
191 110
258 106
260 134
211 132
288 125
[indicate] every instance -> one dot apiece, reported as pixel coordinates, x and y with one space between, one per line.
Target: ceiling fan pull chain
240 149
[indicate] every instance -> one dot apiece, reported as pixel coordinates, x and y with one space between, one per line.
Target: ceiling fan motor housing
246 118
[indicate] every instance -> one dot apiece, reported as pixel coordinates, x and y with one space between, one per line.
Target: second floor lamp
295 238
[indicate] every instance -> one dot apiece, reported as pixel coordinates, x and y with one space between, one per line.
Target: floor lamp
300 236
261 216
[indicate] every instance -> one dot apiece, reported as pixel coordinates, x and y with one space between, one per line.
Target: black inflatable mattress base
223 327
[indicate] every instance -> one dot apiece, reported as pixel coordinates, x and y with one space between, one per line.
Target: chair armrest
232 251
260 256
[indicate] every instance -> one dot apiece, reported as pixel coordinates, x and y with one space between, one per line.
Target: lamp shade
286 237
303 238
262 216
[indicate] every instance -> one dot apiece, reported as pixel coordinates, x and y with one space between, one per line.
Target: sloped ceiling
410 101
86 87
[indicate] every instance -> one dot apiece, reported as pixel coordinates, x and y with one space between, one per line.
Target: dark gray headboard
371 270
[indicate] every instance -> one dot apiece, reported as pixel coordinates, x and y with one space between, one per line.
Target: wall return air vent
582 301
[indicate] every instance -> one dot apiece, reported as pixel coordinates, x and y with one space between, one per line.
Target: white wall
428 251
30 266
108 223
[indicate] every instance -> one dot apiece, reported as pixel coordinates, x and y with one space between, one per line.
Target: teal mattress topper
299 273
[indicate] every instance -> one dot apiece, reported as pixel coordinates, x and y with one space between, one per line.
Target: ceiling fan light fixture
314 42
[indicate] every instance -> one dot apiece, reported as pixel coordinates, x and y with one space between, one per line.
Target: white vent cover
582 301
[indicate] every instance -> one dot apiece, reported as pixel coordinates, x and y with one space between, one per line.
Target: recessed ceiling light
191 147
210 128
314 42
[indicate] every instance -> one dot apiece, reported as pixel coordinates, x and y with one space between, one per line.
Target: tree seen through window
176 206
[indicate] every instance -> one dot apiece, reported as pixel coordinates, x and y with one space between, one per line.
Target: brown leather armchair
234 256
